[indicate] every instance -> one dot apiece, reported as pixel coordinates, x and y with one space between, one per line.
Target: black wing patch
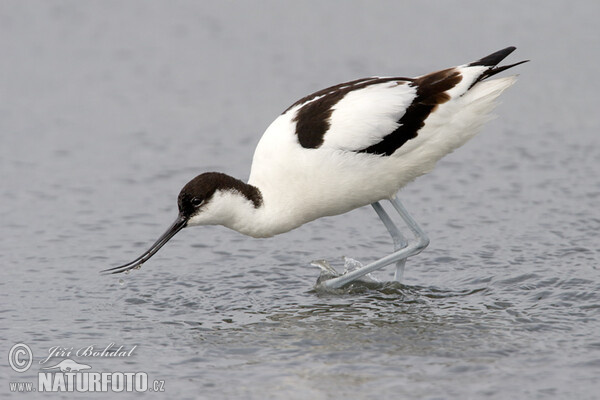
431 92
313 119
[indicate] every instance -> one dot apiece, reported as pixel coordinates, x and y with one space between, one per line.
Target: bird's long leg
400 241
422 240
420 235
402 249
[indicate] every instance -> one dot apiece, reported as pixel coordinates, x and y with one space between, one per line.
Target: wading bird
345 147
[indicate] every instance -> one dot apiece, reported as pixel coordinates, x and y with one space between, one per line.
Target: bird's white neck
248 210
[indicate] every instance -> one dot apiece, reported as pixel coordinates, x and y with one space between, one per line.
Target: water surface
108 108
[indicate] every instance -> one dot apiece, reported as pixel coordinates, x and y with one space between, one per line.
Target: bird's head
205 200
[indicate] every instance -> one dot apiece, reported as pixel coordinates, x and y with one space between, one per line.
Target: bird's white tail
450 126
490 88
476 106
463 117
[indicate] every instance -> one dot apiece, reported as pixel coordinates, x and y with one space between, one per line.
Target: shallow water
108 108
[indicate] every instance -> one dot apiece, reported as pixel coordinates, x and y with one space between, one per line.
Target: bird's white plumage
299 184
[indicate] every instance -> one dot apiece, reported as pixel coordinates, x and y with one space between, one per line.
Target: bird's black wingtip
494 58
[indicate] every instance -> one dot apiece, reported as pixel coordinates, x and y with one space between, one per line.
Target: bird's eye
197 201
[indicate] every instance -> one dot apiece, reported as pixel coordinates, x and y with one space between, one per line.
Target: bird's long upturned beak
178 225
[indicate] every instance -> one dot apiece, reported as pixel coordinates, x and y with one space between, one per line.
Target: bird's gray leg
402 249
422 240
420 235
400 241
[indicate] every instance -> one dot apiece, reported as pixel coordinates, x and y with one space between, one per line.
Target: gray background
108 107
